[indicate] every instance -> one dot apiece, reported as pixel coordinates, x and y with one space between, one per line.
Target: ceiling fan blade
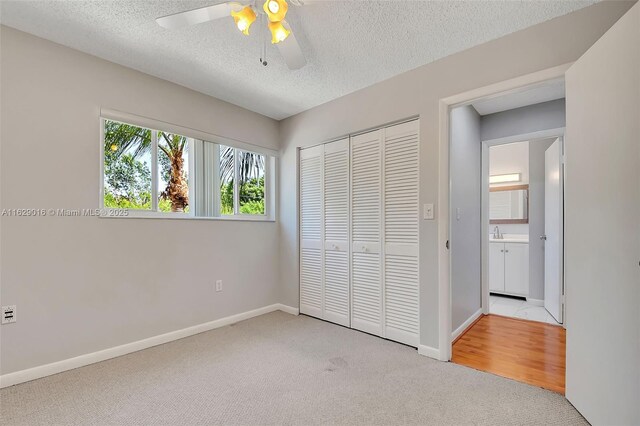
198 16
291 51
306 2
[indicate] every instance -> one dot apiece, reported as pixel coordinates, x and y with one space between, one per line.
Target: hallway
527 351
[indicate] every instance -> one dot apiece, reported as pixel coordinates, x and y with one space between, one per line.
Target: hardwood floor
527 351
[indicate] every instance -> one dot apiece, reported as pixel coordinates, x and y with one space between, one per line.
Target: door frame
444 186
484 203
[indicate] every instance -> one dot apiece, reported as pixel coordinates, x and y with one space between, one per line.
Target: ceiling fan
245 13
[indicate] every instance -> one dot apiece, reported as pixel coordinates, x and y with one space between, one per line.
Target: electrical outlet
219 285
8 314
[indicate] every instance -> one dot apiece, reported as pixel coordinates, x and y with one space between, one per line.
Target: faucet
496 233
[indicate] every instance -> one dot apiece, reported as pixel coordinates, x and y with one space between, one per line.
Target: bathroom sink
510 238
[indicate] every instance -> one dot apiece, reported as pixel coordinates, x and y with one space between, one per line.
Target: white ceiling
349 45
528 96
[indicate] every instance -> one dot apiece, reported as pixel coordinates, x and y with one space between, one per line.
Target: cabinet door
516 268
336 232
496 267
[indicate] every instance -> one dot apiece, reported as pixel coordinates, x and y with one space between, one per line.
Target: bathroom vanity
509 265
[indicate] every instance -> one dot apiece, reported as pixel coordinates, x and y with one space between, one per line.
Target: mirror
509 204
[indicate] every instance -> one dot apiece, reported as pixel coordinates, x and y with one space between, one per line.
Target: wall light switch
428 212
219 285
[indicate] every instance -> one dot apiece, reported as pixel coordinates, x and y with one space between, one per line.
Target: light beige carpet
280 369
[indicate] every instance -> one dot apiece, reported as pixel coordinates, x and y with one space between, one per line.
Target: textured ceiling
348 44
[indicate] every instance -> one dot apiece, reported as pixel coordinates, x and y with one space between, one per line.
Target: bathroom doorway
523 203
506 224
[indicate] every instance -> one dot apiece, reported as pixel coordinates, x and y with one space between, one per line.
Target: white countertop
510 238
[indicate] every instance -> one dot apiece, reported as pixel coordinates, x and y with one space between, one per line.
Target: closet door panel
401 211
311 231
401 298
336 232
366 224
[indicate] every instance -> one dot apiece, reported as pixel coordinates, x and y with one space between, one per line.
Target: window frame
236 186
197 140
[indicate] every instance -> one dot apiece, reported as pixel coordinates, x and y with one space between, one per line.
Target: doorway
523 203
506 212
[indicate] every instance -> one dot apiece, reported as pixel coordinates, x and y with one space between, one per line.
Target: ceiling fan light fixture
244 19
276 10
278 32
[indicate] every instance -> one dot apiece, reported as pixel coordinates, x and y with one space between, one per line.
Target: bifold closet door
366 225
401 213
336 232
359 232
311 231
324 223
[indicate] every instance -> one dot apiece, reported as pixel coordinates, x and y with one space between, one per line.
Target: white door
602 227
496 267
401 289
516 268
336 232
553 230
311 231
366 225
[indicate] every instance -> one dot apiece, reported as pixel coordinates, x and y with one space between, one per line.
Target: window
241 173
157 173
227 185
127 166
173 168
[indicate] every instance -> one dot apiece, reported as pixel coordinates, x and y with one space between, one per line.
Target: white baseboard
29 374
429 351
466 324
288 309
536 302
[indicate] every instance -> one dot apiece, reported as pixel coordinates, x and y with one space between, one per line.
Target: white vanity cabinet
509 267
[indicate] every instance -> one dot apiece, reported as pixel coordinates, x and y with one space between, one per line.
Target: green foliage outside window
127 182
251 197
127 169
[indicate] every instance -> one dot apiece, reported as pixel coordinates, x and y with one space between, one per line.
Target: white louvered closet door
401 213
311 231
366 225
336 232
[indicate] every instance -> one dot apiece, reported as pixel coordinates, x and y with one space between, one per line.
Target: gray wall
466 161
533 118
417 92
536 216
82 284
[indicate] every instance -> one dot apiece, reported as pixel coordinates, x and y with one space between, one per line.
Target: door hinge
447 245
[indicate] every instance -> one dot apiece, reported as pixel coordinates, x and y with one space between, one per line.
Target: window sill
136 214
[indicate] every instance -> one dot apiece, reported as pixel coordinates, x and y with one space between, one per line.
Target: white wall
418 92
83 284
510 158
465 167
